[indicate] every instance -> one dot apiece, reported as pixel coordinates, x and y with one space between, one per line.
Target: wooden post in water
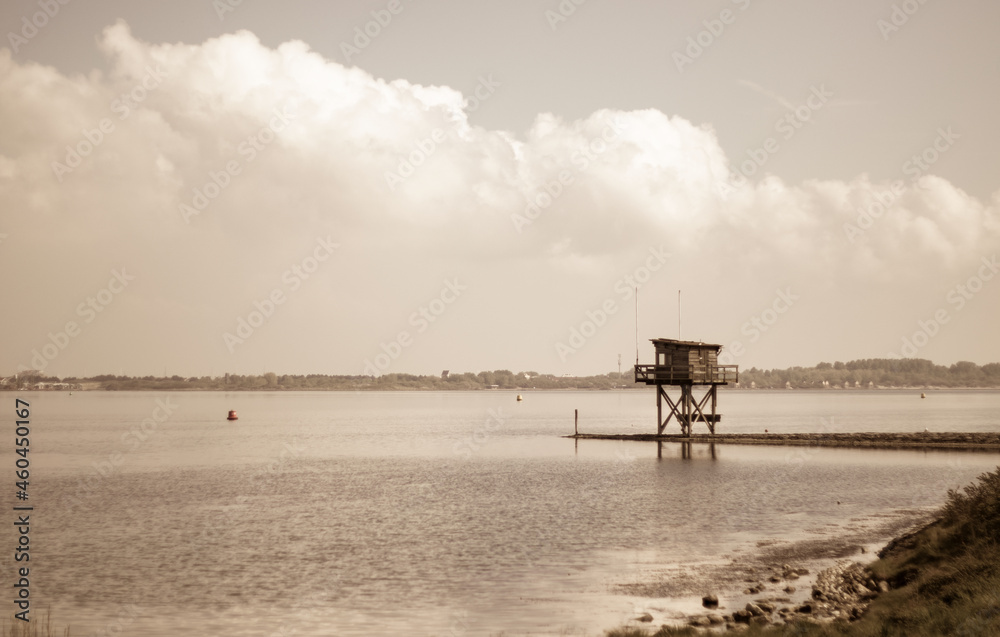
576 422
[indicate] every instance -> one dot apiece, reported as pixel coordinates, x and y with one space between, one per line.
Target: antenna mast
636 325
678 315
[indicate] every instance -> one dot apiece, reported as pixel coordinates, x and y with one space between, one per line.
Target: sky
237 186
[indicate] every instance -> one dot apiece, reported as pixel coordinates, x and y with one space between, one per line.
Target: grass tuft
41 627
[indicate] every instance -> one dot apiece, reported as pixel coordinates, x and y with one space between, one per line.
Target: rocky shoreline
774 583
841 592
937 578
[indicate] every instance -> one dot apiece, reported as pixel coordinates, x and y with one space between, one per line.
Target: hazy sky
196 188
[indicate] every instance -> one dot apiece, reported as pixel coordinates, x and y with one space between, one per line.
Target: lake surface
427 513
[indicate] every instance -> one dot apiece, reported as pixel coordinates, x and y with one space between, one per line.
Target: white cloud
614 184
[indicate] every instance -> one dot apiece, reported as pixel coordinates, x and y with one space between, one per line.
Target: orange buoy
232 415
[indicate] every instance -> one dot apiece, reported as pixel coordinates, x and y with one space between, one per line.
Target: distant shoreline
83 387
870 374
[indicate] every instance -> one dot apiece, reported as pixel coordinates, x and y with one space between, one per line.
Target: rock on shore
844 591
841 593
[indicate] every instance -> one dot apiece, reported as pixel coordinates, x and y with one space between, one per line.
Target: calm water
433 513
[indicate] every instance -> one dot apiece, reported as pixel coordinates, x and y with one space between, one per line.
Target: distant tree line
875 373
866 374
497 379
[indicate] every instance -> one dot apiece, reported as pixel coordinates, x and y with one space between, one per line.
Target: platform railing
683 374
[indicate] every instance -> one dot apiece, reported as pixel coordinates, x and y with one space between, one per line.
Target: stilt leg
711 424
659 410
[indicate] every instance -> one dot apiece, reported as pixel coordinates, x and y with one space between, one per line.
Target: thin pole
636 325
678 315
576 422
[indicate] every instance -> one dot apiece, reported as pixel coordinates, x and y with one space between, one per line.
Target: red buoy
232 415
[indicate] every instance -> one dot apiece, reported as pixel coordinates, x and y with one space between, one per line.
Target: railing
683 374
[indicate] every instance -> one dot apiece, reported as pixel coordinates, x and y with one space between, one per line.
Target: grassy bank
944 579
38 627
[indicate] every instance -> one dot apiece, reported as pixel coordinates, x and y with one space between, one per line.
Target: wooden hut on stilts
685 364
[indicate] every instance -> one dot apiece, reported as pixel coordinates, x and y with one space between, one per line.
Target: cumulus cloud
211 170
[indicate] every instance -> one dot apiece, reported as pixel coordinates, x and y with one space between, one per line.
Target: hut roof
682 344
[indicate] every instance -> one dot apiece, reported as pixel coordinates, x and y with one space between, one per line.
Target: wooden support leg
680 410
711 425
686 409
661 394
700 407
659 410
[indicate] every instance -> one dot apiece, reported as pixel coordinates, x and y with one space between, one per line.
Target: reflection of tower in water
686 450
